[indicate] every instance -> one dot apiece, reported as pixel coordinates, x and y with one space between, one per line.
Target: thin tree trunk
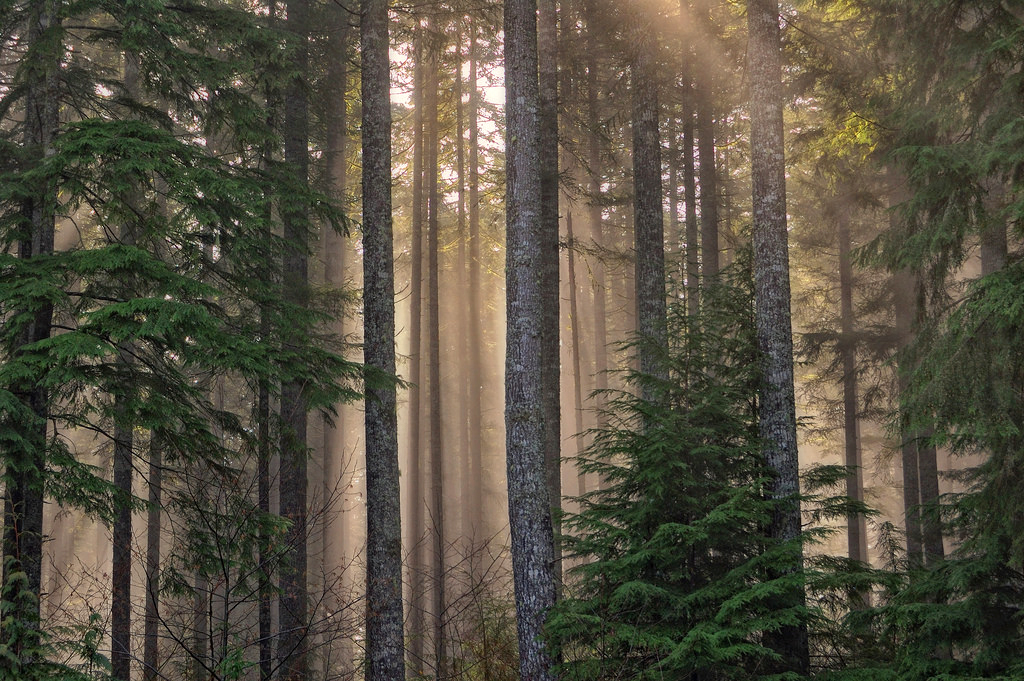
417 569
772 294
151 637
595 216
475 470
23 503
690 199
577 361
384 634
335 266
437 520
547 47
464 314
121 563
703 95
856 530
265 615
529 507
293 601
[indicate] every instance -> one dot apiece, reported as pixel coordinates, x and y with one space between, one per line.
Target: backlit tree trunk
384 634
771 289
529 508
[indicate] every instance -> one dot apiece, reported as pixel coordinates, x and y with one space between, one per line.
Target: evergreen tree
677 578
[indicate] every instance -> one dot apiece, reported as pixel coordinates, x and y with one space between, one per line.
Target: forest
540 339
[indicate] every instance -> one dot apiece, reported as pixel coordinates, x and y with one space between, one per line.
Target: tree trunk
547 47
293 602
151 638
856 530
577 361
648 220
23 504
704 95
771 289
333 555
384 634
595 216
437 519
475 470
529 508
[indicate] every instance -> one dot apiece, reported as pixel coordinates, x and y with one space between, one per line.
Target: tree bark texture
595 210
23 504
151 635
771 289
856 529
703 92
648 219
417 568
437 519
121 564
577 360
384 634
529 508
475 470
293 602
547 47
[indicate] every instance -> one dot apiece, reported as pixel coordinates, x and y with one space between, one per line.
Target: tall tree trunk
464 315
437 519
595 212
690 199
24 477
151 637
577 361
417 569
293 602
475 470
547 139
384 634
856 530
704 98
333 554
121 563
774 326
648 220
121 567
529 507
265 614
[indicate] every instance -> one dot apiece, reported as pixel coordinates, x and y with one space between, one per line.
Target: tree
683 586
772 297
529 505
384 634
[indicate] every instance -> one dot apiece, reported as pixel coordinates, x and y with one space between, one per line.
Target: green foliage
676 578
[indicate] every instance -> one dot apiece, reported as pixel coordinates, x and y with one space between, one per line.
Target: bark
595 215
529 510
994 246
121 567
293 601
648 221
333 555
475 470
417 569
151 638
23 504
703 96
121 563
856 530
904 313
547 47
437 519
577 360
771 288
384 634
464 314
